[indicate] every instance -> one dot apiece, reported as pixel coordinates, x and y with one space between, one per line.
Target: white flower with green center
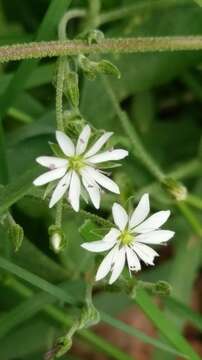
79 167
127 242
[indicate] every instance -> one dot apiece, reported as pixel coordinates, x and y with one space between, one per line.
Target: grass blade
165 327
36 281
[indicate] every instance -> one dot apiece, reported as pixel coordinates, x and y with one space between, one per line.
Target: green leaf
164 325
35 280
118 324
184 312
17 189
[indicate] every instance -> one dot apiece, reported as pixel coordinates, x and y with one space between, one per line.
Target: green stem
64 319
62 29
190 217
194 201
36 50
59 93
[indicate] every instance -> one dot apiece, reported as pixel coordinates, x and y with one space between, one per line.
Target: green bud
106 67
162 288
57 238
63 346
71 87
14 230
176 189
95 36
16 234
89 67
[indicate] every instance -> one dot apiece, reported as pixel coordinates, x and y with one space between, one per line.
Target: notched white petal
106 264
98 246
74 191
92 188
153 222
98 144
155 237
65 143
141 211
112 235
103 180
132 259
83 140
116 154
119 262
120 216
52 162
60 189
146 253
49 176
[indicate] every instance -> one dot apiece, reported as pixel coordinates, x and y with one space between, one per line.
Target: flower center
76 163
126 237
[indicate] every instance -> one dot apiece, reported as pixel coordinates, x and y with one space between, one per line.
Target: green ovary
126 238
76 163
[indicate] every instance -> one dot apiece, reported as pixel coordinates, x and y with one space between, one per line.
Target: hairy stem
36 50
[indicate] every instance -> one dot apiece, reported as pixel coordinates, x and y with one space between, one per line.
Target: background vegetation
155 112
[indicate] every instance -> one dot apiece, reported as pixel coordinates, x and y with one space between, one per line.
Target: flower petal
74 191
116 154
132 259
155 237
49 176
106 264
92 188
98 144
98 246
120 216
119 262
52 162
146 253
141 211
83 140
102 180
112 235
65 143
60 189
153 222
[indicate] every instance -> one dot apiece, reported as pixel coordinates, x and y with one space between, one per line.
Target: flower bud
176 189
89 67
95 36
71 87
106 67
57 239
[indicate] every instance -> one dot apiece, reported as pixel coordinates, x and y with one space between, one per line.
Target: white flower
79 167
127 241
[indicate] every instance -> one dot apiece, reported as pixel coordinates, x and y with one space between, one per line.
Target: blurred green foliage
162 95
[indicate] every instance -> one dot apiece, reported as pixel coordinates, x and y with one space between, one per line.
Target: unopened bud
106 67
16 234
162 288
89 67
176 189
71 87
57 239
95 36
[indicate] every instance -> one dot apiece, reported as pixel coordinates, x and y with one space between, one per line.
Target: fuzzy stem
37 50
